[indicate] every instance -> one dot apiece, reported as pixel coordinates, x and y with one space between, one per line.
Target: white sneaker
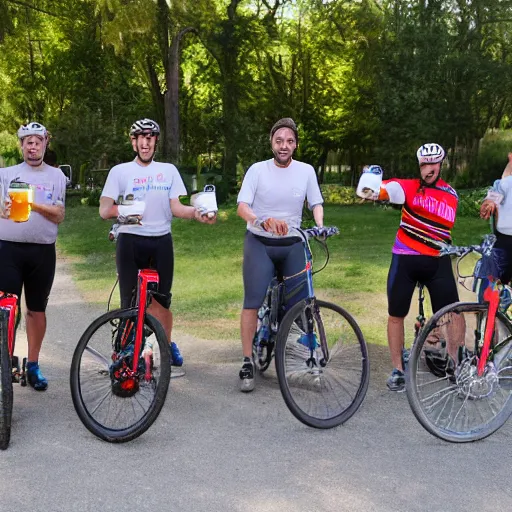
247 377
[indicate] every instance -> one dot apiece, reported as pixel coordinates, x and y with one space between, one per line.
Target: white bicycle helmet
32 129
144 126
430 153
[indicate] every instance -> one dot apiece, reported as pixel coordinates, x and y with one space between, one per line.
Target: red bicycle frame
492 296
9 303
145 278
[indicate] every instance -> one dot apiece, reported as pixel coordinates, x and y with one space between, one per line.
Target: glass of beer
21 195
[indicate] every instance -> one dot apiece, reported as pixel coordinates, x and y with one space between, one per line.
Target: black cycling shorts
408 270
502 254
263 258
31 266
134 253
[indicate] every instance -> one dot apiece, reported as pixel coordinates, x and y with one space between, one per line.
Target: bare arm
182 211
245 211
54 213
276 226
318 215
108 210
189 212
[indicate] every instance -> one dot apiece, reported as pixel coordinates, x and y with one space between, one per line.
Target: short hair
286 122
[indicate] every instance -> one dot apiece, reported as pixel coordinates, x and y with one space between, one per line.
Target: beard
146 159
34 160
279 160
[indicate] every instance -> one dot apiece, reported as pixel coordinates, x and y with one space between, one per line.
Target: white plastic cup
370 178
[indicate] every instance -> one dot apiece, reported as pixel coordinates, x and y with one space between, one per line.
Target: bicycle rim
322 396
6 394
111 402
458 405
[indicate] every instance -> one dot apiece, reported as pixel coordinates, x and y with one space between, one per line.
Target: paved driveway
216 449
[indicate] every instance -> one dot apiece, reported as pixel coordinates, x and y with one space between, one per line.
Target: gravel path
215 449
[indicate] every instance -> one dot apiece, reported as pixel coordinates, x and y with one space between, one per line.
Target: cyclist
498 202
270 201
428 215
27 249
149 190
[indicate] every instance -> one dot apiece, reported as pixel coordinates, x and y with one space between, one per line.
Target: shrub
91 197
492 158
338 194
470 201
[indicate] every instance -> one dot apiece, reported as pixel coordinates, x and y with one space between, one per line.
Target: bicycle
121 369
434 363
470 396
321 357
9 364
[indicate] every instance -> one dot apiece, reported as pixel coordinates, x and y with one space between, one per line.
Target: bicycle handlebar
323 232
484 248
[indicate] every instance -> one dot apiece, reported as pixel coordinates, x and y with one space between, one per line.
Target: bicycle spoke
112 400
320 392
462 405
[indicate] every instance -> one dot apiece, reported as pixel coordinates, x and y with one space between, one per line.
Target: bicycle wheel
321 392
262 354
114 403
459 406
5 383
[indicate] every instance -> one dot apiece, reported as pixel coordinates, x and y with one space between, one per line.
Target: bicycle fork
147 282
312 316
491 295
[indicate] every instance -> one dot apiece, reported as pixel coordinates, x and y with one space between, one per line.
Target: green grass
207 288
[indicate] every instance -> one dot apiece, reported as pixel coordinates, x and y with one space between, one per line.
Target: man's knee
396 320
164 299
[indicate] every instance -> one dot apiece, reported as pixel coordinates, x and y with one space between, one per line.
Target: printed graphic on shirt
428 215
142 185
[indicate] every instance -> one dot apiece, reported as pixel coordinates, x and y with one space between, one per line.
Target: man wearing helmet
429 207
271 201
149 190
27 249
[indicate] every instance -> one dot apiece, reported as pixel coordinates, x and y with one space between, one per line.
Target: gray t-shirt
279 192
156 184
49 186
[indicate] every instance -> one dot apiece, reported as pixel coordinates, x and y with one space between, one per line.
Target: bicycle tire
262 356
445 406
6 393
329 395
89 361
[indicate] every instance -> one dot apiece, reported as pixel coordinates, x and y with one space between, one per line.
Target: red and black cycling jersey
428 216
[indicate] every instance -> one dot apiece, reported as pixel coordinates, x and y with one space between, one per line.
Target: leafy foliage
367 81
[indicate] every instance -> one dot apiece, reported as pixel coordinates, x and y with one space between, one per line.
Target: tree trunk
321 165
230 124
171 98
156 93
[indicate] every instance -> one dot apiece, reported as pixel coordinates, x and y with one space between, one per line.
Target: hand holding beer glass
17 203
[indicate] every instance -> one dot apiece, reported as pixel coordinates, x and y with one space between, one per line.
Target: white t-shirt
504 224
279 192
156 184
49 185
